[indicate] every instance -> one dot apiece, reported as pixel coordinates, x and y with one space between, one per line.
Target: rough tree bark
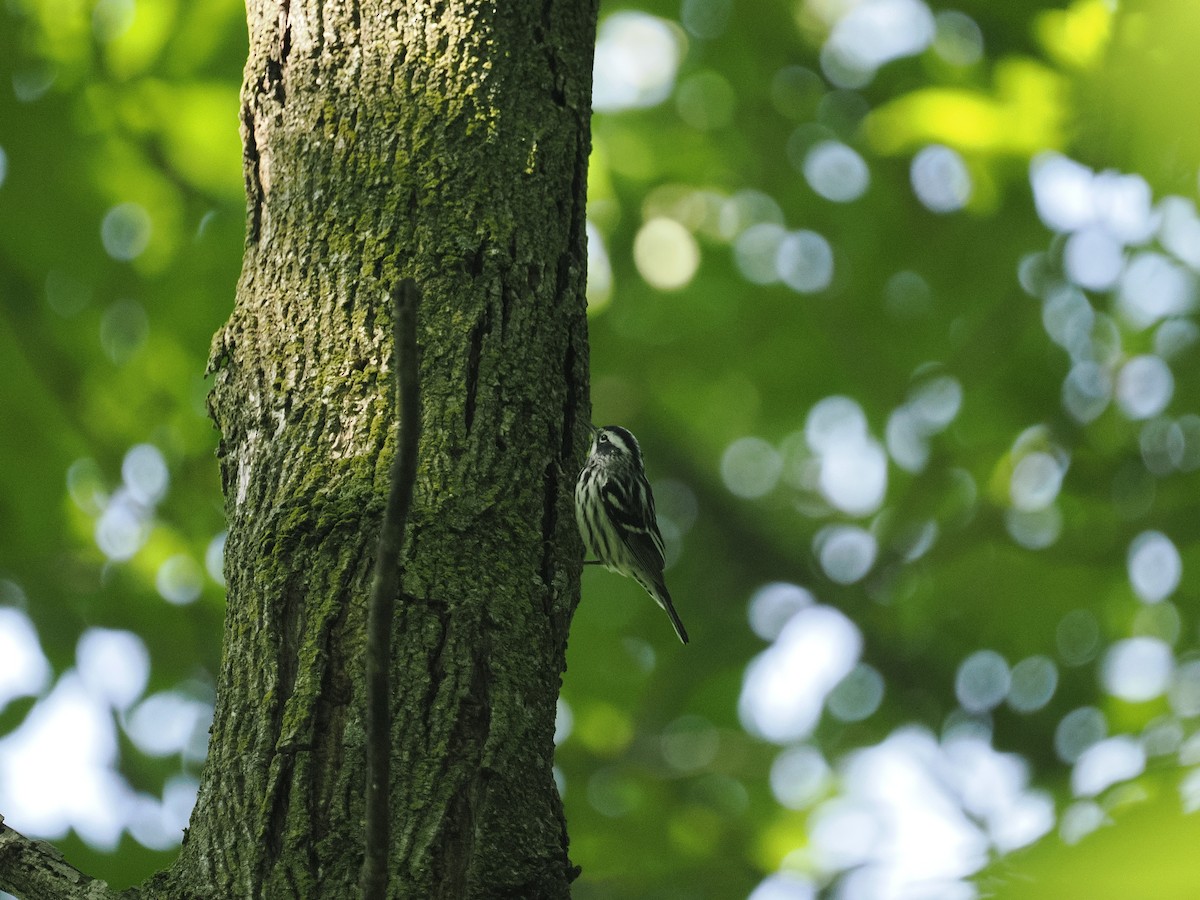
446 141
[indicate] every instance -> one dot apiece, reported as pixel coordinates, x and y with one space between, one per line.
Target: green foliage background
114 103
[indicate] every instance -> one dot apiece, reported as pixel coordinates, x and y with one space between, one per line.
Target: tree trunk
447 142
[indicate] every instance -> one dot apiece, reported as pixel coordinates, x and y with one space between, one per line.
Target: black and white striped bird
614 507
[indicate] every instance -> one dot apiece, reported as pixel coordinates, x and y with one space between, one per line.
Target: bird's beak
593 428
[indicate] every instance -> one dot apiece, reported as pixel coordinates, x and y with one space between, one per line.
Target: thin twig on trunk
385 590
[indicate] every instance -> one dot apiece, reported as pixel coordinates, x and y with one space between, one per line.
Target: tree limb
385 590
34 870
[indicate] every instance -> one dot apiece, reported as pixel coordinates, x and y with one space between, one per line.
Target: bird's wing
635 520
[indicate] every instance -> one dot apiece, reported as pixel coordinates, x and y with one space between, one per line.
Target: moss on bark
447 142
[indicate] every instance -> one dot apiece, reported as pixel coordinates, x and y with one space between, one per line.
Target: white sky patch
165 723
785 686
114 665
1062 191
918 816
56 770
25 670
1107 763
871 34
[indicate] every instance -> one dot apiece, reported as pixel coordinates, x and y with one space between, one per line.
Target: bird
614 508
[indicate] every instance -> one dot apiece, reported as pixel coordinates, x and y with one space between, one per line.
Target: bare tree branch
34 870
385 589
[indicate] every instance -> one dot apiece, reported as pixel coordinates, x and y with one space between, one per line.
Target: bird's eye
602 438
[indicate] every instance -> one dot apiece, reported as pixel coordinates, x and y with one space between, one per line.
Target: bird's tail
663 598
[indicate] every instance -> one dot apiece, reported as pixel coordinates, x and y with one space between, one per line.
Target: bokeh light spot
1062 191
1078 637
1106 763
957 38
214 558
1144 387
124 328
858 695
871 34
1179 229
637 56
666 254
982 681
1034 681
799 776
940 179
603 729
772 606
804 261
1078 730
145 474
1079 820
846 552
1035 482
123 527
612 793
833 423
795 92
756 251
705 101
1035 529
705 18
1137 669
1154 565
1153 287
599 271
751 467
125 231
564 721
179 580
836 171
854 479
1093 258
908 295
690 743
112 18
1086 391
1184 692
746 209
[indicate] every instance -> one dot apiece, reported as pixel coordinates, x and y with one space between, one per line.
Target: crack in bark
481 329
506 302
471 732
570 405
253 179
557 81
285 47
550 489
